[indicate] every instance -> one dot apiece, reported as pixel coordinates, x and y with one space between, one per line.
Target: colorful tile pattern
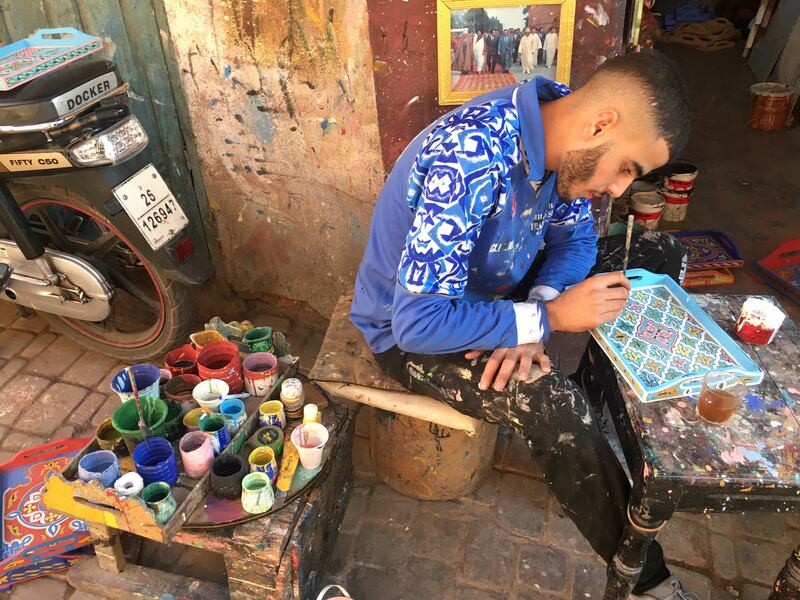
663 343
709 249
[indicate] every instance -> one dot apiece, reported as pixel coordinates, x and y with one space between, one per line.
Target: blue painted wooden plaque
663 343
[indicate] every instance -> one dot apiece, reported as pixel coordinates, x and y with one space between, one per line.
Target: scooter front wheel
150 314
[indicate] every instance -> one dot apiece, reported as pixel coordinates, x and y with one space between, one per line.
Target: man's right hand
589 304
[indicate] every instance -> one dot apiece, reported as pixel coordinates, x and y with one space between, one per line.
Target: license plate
148 201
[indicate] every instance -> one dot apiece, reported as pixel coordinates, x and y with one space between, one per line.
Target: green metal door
136 37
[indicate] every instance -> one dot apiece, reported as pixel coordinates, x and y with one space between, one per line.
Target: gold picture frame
444 20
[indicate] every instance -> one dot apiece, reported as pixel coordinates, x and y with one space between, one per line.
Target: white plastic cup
310 439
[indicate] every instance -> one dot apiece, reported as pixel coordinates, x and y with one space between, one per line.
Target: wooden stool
420 447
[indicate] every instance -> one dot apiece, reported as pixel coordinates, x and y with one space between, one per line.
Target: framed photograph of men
488 44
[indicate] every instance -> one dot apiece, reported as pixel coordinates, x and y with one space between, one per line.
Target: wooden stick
627 244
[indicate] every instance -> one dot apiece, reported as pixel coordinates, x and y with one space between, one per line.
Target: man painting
480 247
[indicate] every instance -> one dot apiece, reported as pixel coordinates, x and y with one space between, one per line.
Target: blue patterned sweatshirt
458 223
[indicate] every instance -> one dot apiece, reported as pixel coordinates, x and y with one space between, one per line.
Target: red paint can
182 361
681 177
676 205
220 360
759 321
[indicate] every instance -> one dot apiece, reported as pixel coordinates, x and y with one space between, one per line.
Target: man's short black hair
664 87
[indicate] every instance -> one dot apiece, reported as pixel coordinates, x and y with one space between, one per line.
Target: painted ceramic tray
781 269
709 250
663 343
43 52
708 277
35 540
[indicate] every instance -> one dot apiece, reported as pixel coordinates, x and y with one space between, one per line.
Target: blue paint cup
147 379
156 462
101 465
214 425
232 411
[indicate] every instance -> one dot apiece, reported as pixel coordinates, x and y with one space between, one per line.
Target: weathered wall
282 104
403 37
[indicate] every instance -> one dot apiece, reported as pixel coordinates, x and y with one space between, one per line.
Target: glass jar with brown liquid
721 395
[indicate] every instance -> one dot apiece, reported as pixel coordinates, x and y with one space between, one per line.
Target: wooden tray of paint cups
91 502
219 512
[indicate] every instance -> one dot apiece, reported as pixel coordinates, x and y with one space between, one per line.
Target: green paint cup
259 339
160 500
257 494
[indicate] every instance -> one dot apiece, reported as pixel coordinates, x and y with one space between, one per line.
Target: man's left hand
503 361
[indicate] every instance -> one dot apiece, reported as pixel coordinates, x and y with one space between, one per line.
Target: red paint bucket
260 371
220 360
771 105
182 361
676 205
681 177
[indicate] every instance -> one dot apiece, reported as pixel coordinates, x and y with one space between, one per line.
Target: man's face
610 167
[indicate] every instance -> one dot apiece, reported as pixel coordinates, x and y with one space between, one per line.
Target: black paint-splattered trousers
553 416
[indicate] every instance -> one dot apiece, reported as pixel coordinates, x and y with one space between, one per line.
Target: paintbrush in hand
628 234
142 425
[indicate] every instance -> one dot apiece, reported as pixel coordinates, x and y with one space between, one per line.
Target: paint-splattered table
679 462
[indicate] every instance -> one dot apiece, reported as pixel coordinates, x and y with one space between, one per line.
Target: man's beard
579 166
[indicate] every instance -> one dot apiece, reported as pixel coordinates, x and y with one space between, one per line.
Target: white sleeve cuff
529 318
542 292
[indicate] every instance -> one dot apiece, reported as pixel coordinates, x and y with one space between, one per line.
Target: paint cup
262 460
173 424
647 208
272 413
129 485
214 425
209 394
759 321
676 205
260 371
202 339
179 389
108 438
220 360
227 473
197 453
233 412
158 497
100 465
720 396
270 436
680 177
155 461
191 420
126 419
310 440
293 398
259 339
182 361
311 414
257 494
147 378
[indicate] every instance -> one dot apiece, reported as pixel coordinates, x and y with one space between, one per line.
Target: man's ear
602 122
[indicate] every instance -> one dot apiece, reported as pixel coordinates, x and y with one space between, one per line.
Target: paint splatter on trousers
550 412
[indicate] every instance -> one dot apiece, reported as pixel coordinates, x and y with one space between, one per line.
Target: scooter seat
58 94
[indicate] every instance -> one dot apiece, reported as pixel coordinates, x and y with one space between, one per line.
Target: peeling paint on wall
282 104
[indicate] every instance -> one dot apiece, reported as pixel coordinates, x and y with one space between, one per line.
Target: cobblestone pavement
508 540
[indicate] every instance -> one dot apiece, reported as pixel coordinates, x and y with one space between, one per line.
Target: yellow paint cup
262 460
191 419
272 413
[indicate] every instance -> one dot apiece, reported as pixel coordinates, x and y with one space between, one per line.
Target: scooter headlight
112 146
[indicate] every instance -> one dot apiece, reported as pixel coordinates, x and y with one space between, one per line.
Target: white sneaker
669 589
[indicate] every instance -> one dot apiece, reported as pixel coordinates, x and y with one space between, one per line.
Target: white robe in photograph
478 49
550 47
529 47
